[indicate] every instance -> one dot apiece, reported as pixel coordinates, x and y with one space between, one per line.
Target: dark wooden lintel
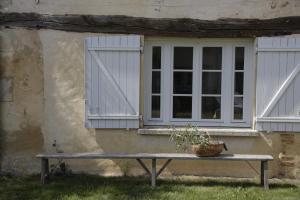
183 27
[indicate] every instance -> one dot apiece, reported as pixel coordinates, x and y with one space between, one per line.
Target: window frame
227 71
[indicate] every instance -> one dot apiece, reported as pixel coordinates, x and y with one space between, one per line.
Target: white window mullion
196 84
226 105
199 88
147 85
248 89
167 80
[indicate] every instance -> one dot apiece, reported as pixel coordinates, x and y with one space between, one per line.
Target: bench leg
44 170
144 166
153 174
264 174
163 167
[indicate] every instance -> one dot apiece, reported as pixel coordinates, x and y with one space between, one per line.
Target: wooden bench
153 157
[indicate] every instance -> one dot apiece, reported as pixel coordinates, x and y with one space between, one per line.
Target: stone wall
201 9
289 158
47 108
22 115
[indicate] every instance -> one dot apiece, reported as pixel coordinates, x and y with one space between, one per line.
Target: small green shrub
189 135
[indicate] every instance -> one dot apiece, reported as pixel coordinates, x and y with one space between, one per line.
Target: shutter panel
278 84
112 79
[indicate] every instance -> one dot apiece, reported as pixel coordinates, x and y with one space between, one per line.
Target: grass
94 187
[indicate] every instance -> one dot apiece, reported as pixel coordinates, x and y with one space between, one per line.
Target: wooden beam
183 27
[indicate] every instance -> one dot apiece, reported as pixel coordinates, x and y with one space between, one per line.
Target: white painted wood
87 81
227 85
290 91
178 156
95 105
296 126
279 119
114 48
278 49
112 92
113 117
101 83
281 90
112 80
278 99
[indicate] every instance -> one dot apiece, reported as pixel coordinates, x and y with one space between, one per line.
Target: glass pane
212 58
156 57
211 82
183 57
238 108
211 108
155 107
182 107
239 58
239 83
183 82
156 82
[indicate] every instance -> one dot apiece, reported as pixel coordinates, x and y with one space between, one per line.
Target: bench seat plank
178 156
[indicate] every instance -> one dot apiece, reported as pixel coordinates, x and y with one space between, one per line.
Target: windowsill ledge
231 132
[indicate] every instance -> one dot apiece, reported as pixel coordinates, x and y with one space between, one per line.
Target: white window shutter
112 81
278 84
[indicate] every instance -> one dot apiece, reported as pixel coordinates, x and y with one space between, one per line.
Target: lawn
95 187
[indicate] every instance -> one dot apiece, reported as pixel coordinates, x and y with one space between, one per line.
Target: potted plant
199 142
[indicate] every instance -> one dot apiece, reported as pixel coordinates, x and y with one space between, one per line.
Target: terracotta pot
213 149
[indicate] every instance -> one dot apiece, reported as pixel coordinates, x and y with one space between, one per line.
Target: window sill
231 132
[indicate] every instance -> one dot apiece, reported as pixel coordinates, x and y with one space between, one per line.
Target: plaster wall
22 115
202 9
47 68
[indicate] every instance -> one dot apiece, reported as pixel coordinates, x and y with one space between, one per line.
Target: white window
202 82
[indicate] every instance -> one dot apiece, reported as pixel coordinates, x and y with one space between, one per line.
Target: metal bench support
153 174
144 166
163 167
264 174
45 170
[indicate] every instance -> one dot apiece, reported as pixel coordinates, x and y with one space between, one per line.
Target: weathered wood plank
179 156
183 27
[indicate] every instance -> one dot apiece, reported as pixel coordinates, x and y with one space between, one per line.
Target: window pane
182 107
183 83
211 108
155 108
211 82
238 107
183 57
212 58
239 83
239 58
155 82
156 57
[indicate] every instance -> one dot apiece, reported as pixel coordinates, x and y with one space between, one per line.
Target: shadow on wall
63 55
21 114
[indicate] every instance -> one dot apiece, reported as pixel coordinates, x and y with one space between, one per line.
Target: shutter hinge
141 118
142 49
